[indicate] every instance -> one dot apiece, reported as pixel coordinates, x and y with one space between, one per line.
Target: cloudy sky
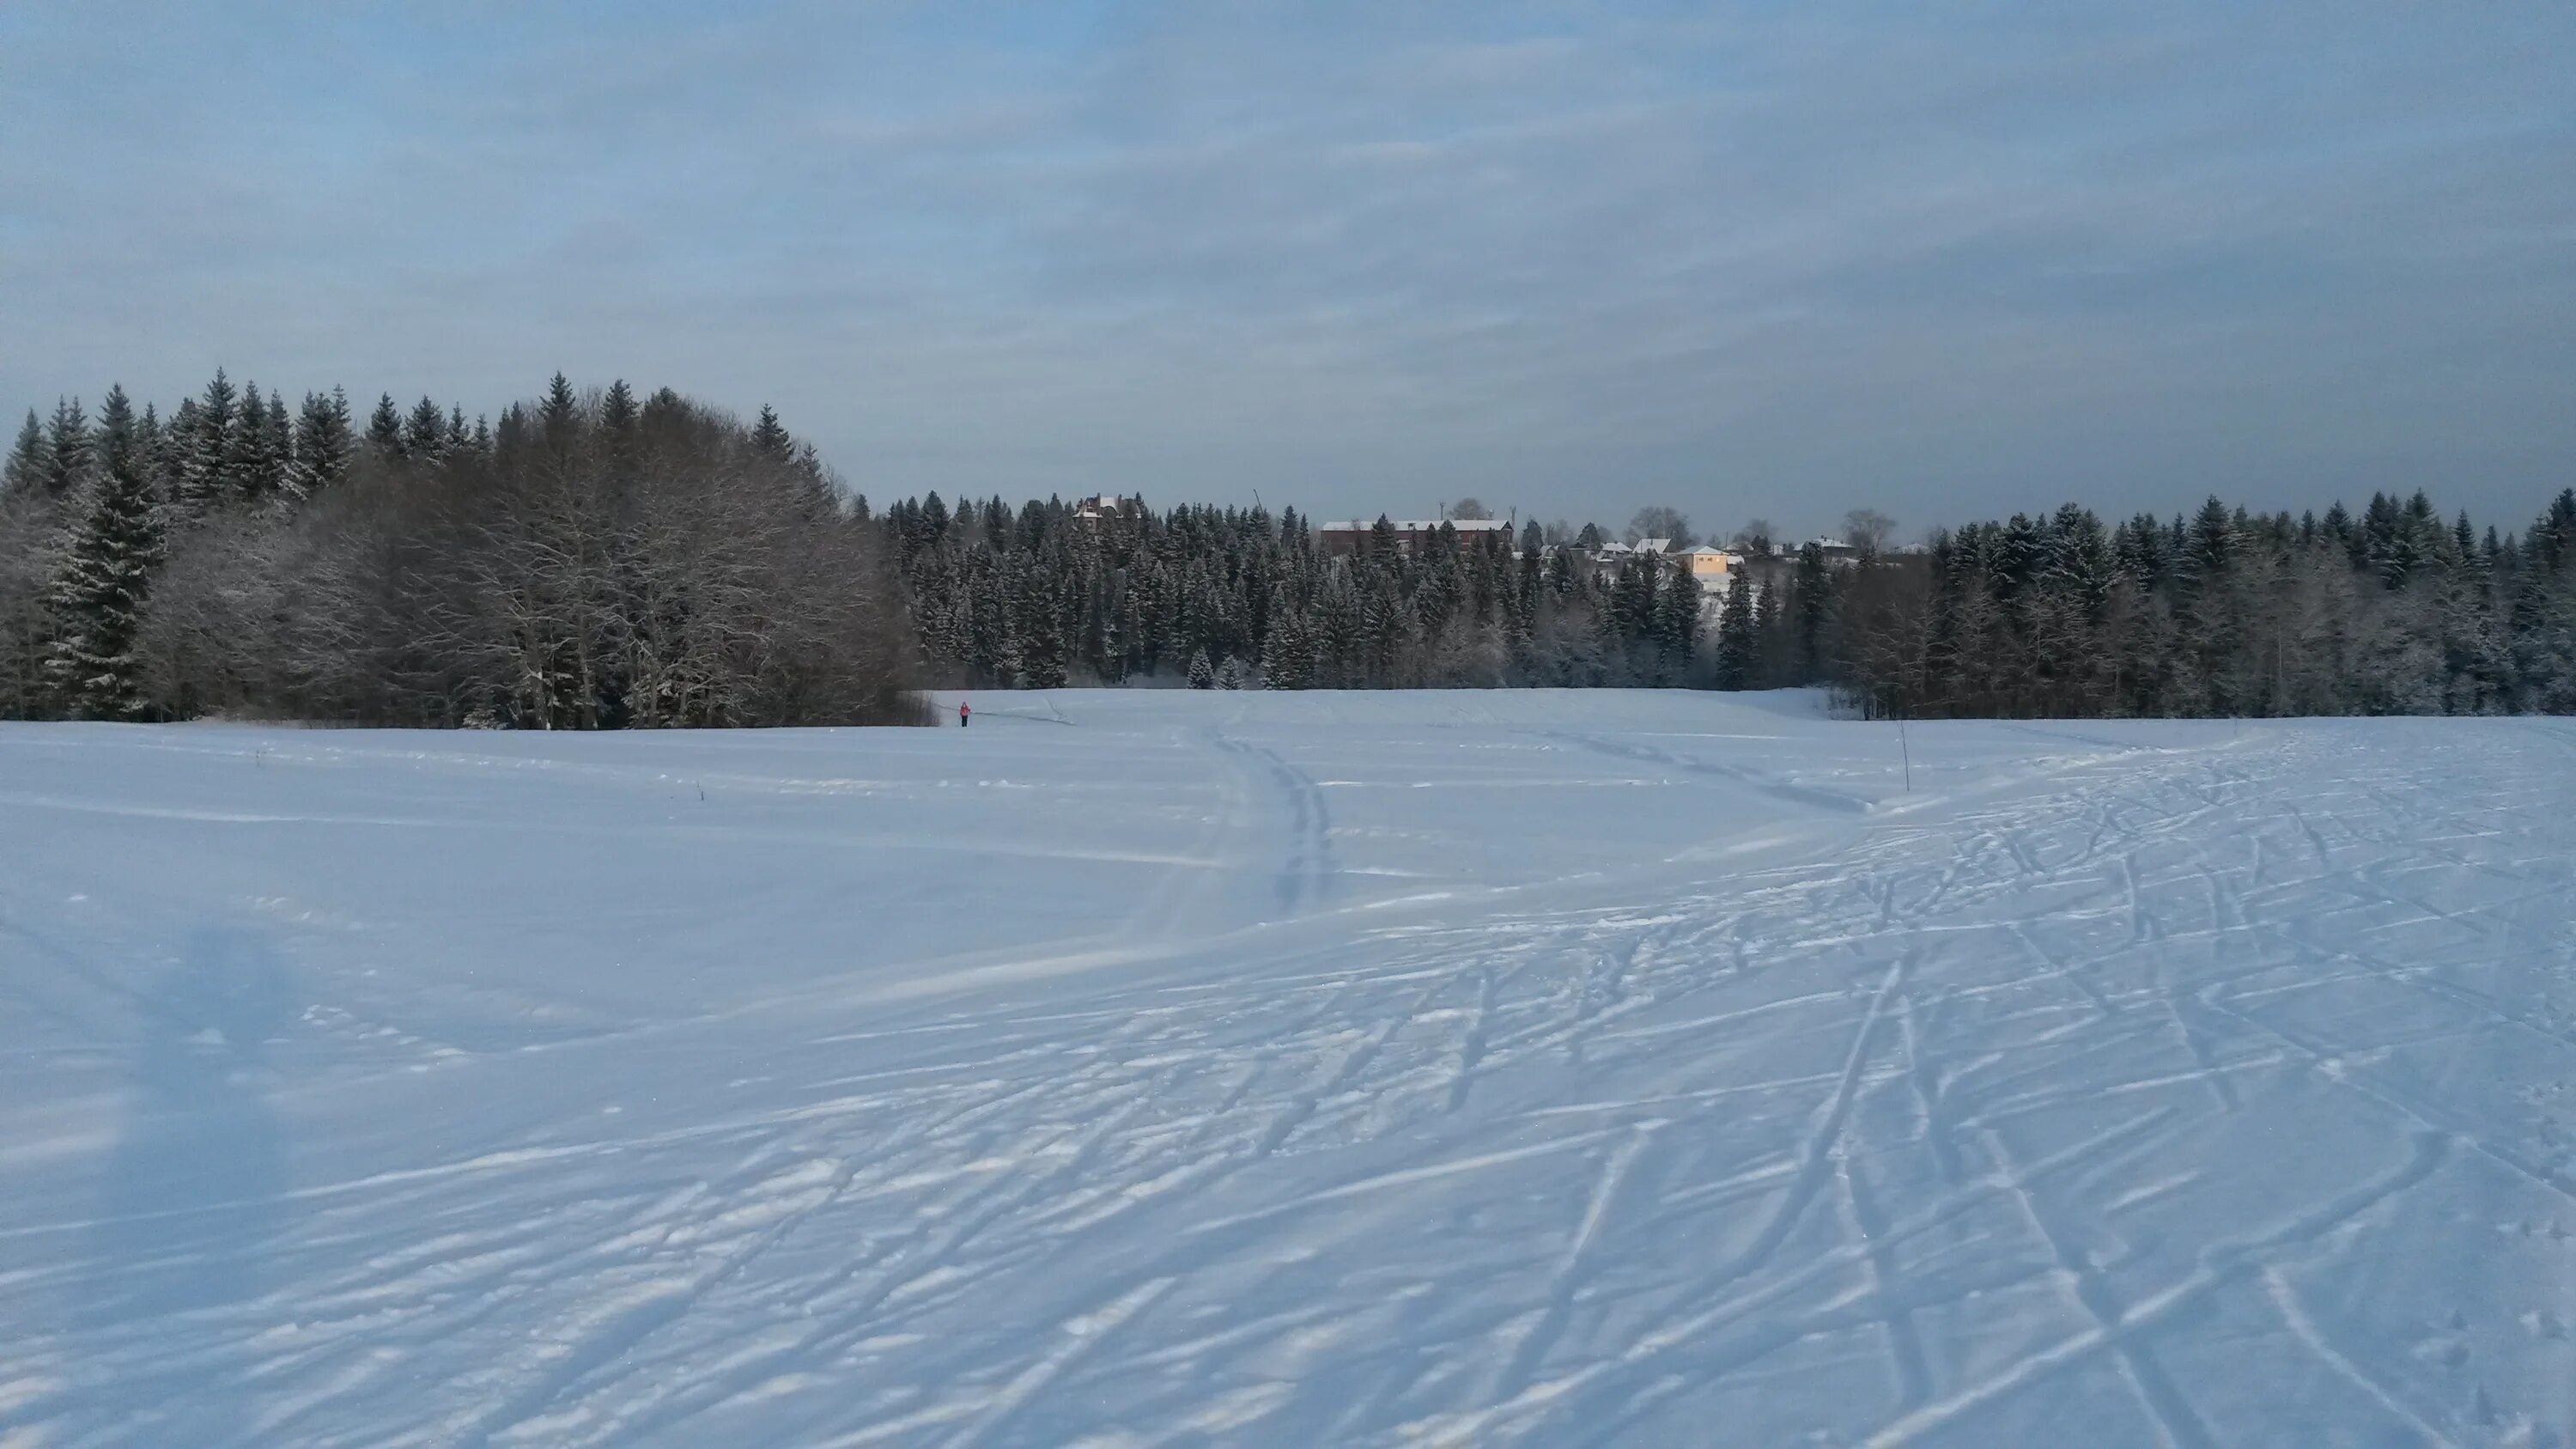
1947 261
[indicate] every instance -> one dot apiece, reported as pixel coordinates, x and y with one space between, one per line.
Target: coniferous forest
601 560
582 563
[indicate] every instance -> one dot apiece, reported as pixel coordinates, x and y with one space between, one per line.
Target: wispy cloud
1747 259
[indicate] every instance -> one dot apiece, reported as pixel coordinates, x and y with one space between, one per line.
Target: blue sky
1946 261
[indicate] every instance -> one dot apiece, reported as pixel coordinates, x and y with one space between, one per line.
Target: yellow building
1711 567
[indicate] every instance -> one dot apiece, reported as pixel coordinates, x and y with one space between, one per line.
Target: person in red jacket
963 714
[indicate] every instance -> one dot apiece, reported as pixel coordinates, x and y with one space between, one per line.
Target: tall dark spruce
98 597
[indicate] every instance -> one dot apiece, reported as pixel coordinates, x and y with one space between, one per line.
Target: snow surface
1299 1069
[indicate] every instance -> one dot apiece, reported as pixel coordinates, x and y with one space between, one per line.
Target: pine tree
768 435
1288 650
425 432
1677 621
2078 561
250 472
68 450
1770 633
559 412
97 597
617 408
1202 676
201 445
1042 647
151 449
322 445
1811 611
31 461
1229 675
385 429
1737 644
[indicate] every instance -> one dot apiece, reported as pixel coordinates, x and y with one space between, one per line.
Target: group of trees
602 560
2224 612
2395 611
587 562
1041 595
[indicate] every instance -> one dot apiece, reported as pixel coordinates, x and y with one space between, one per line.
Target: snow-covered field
1298 1069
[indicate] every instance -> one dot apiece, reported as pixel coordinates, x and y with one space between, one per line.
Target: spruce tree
1677 622
151 449
768 435
385 429
425 432
1737 645
30 465
1042 647
559 412
1288 650
1202 675
281 439
617 408
322 445
201 446
97 597
68 450
1811 611
251 470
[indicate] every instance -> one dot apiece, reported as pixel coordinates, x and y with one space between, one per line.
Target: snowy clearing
1177 1068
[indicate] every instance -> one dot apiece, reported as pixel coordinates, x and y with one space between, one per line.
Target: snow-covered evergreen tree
424 435
69 453
1043 649
97 598
1738 647
559 413
385 429
254 457
30 465
201 445
322 445
1288 651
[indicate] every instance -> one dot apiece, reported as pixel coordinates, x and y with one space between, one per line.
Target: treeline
2224 613
1041 595
584 562
599 560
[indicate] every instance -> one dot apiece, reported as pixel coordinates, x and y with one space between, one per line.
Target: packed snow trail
1588 1068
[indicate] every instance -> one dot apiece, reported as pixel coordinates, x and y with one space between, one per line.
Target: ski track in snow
1595 1068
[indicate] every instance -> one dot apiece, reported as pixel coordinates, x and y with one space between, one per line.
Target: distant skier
963 714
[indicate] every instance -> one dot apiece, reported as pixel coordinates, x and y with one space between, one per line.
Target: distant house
1711 568
1610 557
1105 505
1352 535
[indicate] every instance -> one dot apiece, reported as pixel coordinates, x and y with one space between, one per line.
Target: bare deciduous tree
1868 530
1655 520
